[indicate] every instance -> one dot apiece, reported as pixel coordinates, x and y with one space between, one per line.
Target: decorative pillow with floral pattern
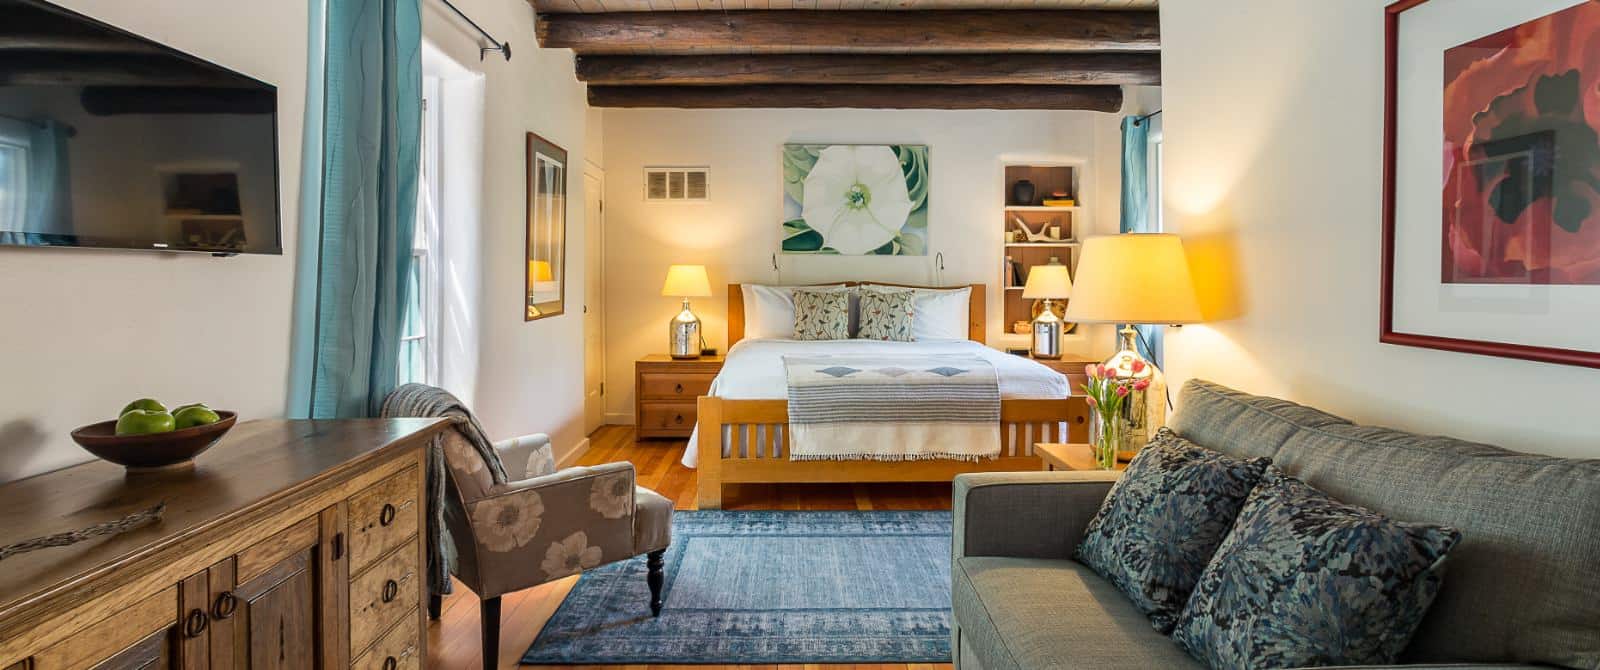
1304 580
821 315
1164 519
887 315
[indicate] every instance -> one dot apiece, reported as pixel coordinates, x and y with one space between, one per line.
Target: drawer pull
391 590
390 663
386 515
224 606
194 625
678 389
678 419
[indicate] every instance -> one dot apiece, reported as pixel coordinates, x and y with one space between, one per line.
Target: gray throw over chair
543 525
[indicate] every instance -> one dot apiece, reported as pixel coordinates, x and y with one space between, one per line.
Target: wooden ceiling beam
853 31
1044 69
864 96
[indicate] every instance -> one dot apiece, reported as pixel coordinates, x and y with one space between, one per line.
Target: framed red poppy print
1491 231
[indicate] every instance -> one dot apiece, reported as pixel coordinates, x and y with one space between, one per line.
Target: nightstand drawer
673 386
666 418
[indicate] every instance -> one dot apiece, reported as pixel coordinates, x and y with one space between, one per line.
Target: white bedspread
754 370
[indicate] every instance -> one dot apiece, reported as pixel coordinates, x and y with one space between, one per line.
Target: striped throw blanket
892 408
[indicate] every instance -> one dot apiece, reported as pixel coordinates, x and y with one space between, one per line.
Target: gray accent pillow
821 315
1305 580
1164 519
887 315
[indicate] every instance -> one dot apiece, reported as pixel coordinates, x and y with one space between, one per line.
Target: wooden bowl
155 450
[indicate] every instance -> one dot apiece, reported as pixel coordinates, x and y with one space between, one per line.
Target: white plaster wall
85 331
735 234
1274 134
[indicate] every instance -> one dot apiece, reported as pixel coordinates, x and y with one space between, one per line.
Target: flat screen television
108 139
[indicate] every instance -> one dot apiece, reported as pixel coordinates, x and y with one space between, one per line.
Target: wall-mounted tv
108 139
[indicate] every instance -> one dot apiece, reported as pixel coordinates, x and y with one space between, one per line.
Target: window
14 158
419 342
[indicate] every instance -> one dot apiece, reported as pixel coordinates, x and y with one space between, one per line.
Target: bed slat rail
755 435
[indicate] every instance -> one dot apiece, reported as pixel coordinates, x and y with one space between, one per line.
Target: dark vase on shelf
1022 193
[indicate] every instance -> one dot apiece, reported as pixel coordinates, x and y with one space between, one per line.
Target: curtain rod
503 47
1141 119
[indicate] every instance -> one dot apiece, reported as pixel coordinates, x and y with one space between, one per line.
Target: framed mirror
545 289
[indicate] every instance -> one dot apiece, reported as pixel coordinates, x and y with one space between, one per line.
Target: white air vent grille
667 184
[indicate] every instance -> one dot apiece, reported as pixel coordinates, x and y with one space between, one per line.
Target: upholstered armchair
544 524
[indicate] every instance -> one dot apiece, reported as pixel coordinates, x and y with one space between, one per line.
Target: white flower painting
855 200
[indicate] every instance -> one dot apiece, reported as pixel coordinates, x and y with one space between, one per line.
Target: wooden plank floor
453 640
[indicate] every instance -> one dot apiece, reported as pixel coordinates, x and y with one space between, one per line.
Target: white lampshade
686 281
1048 282
1138 278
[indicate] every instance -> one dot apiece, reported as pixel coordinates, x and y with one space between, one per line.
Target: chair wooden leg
490 609
435 606
656 579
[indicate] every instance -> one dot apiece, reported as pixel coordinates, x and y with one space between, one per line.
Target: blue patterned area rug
764 588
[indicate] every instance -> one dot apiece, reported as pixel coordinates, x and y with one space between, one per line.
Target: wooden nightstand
665 391
1058 456
1072 367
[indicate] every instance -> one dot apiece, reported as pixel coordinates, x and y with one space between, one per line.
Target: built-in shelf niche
1060 227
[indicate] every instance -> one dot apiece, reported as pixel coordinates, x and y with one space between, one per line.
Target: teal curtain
363 134
1136 209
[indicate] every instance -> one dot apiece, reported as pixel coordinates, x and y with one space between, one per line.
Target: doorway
594 324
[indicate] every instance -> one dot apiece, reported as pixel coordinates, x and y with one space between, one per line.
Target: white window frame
426 240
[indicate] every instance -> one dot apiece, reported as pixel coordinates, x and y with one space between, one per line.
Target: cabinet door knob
195 624
390 663
224 606
391 590
386 515
337 550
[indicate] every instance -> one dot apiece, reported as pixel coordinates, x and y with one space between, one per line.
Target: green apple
144 422
180 408
197 414
149 404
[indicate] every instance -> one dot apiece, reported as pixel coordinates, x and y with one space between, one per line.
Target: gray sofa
1521 590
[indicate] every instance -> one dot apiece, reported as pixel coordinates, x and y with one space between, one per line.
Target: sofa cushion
1304 580
1520 585
1162 521
1041 613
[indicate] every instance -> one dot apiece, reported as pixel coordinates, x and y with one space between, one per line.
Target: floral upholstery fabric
550 525
887 315
821 315
1164 519
1305 580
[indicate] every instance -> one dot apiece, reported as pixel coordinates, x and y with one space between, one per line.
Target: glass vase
1108 435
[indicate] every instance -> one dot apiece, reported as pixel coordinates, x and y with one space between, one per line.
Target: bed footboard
747 442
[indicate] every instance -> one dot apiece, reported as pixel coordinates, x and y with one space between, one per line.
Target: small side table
1071 366
1058 456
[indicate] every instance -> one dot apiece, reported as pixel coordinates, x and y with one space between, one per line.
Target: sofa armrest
564 478
1025 514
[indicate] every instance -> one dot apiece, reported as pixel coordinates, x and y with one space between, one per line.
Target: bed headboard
977 313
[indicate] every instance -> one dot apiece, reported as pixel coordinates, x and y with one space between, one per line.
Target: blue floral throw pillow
1305 580
1163 520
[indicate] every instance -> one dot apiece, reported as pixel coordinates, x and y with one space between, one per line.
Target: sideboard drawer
382 516
399 644
674 385
379 596
127 630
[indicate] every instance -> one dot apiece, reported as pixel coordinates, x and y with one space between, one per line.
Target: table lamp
1135 278
686 281
1048 283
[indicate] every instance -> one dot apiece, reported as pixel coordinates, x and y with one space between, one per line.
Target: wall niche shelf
1064 226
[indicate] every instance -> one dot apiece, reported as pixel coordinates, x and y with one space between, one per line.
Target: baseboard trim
619 418
571 458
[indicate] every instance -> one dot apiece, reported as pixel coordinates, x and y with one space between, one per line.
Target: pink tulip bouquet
1108 395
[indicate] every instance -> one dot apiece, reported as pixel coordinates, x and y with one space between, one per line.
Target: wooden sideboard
290 544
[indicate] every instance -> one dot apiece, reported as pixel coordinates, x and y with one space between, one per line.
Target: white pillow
941 314
769 310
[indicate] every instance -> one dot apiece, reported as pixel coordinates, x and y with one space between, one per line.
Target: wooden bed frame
764 457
